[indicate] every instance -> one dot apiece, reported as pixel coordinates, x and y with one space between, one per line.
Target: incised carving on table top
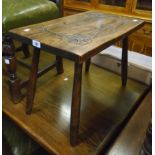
81 33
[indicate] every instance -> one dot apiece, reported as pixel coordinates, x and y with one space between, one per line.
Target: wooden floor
129 141
105 105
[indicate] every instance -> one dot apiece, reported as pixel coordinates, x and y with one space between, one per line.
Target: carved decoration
87 35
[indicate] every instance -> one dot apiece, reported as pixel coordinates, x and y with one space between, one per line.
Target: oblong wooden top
79 36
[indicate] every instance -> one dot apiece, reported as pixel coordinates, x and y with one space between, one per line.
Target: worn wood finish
10 61
76 104
124 61
32 80
49 123
72 37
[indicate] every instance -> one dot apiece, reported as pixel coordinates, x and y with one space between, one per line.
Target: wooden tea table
78 38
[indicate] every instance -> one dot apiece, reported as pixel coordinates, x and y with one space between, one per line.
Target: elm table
78 38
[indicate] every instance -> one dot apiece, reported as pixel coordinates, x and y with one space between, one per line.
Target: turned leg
87 65
10 61
25 49
59 64
76 103
32 80
124 63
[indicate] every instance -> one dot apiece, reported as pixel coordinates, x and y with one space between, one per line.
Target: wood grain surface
80 36
131 139
104 105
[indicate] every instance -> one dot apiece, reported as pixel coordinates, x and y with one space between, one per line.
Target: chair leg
25 49
59 64
10 61
32 80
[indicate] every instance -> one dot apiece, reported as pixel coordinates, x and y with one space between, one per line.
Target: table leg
32 80
87 65
25 49
124 63
59 64
76 103
10 61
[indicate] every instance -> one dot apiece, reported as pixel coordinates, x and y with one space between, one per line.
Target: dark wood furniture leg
124 63
59 64
76 103
87 65
10 61
32 80
25 49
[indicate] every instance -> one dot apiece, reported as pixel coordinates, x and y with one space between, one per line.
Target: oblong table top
79 36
